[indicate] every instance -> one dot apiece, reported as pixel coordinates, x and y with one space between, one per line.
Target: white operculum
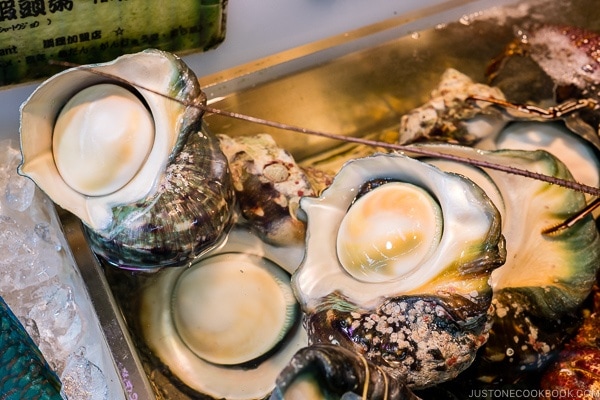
101 139
233 309
388 232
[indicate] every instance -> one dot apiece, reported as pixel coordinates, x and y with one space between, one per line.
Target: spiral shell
174 198
425 322
188 215
327 370
546 278
268 184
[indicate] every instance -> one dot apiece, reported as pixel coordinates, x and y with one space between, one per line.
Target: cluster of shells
392 273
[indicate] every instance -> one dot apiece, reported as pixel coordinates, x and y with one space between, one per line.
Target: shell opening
389 232
101 139
233 308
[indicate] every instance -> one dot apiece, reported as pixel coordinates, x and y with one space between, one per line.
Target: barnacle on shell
449 117
414 298
268 184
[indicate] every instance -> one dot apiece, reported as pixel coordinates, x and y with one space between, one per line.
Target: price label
33 32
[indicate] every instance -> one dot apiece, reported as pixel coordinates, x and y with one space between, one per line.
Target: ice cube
23 262
17 190
40 282
44 231
58 319
82 379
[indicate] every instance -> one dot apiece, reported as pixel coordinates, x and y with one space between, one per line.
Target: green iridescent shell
327 371
160 193
546 278
423 323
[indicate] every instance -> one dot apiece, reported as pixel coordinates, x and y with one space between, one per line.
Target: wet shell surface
327 371
448 117
546 278
228 325
414 298
539 290
146 178
562 65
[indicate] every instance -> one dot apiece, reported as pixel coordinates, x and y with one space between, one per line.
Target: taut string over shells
126 161
200 103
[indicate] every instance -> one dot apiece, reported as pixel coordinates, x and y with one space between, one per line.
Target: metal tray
355 84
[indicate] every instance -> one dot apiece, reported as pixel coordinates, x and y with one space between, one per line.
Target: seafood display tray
358 84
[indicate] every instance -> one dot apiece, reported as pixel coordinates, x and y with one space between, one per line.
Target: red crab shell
576 372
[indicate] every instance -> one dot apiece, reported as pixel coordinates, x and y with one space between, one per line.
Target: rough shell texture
448 117
425 327
423 340
553 64
268 185
334 371
179 204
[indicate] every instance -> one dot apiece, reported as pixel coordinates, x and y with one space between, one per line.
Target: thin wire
416 150
367 377
385 382
573 185
571 221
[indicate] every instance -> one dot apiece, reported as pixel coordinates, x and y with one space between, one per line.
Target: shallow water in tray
367 91
359 94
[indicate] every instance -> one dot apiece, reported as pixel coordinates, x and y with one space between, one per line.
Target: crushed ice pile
40 283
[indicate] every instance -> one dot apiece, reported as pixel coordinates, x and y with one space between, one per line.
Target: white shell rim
40 110
200 375
249 281
461 201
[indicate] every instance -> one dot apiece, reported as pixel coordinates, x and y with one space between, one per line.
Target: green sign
34 32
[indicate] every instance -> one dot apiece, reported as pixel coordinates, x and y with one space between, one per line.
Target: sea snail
143 174
391 272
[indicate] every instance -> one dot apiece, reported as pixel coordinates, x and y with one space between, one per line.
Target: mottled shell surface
424 326
545 279
448 117
268 184
178 203
190 213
